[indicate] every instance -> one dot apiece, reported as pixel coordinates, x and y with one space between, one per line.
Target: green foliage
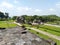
7 24
4 16
14 17
44 18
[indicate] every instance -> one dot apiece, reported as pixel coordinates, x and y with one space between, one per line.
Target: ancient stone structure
14 36
20 20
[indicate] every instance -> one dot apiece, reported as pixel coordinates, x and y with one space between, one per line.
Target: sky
30 7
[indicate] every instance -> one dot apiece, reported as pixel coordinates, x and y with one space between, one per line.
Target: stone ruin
20 20
14 36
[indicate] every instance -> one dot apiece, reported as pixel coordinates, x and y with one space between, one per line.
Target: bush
37 32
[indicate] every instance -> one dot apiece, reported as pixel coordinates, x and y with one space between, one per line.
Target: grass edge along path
45 33
49 29
44 36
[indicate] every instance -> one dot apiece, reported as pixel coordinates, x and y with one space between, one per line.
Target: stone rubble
13 36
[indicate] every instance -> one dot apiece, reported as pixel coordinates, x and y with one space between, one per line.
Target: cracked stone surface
13 36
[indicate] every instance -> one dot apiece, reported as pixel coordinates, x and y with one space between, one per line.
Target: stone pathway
14 36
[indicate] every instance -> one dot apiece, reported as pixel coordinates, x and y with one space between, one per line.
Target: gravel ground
14 36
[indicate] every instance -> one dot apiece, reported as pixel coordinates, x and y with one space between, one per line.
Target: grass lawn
44 36
7 24
54 23
49 29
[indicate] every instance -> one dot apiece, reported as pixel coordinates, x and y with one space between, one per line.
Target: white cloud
28 11
58 5
6 5
38 10
2 10
51 9
15 1
23 9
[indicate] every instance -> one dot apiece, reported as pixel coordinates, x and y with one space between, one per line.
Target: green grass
51 22
7 24
49 29
54 23
44 36
44 28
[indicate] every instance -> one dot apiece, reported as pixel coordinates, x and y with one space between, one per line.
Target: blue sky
30 7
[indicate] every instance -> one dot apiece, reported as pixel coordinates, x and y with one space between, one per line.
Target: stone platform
14 36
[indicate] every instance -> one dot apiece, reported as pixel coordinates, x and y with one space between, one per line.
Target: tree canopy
4 16
44 18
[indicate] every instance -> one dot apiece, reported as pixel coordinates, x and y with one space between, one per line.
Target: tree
44 18
14 17
6 15
2 15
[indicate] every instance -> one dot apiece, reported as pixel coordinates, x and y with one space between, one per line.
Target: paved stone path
14 36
